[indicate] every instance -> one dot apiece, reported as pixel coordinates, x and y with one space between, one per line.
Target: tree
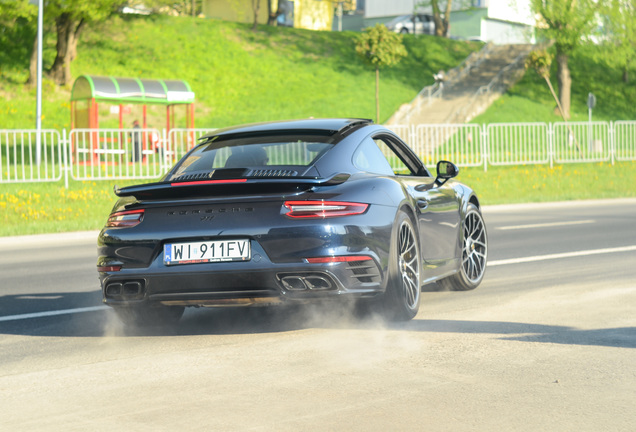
619 35
567 23
379 47
272 12
541 61
21 15
256 8
12 11
441 15
70 19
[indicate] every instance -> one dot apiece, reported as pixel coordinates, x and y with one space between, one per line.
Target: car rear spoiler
225 187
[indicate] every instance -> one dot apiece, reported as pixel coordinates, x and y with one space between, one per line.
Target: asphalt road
547 342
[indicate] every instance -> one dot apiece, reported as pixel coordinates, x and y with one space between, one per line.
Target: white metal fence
180 141
99 154
461 143
624 132
25 157
518 143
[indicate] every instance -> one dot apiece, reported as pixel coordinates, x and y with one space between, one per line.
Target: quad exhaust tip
306 283
125 290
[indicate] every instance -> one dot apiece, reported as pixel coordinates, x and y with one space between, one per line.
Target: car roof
329 126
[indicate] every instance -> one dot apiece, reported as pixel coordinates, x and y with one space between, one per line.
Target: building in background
498 21
306 14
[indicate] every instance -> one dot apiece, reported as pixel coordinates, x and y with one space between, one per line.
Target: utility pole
38 104
591 103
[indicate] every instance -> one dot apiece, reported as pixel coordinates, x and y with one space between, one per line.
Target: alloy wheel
408 264
474 251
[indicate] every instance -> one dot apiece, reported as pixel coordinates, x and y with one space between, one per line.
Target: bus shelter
89 91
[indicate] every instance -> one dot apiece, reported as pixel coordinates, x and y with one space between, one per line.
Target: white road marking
490 264
53 313
544 225
560 255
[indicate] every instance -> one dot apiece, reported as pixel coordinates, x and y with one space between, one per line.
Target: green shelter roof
132 90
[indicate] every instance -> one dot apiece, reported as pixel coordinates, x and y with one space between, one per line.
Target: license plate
205 252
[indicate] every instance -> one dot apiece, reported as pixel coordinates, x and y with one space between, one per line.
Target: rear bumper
230 284
278 269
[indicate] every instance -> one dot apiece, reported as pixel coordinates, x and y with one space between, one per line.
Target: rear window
290 155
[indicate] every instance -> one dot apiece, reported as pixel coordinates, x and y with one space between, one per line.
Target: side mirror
445 171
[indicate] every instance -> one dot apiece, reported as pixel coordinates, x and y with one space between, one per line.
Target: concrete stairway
469 91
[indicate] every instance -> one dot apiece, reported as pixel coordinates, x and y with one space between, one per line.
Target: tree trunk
33 63
626 75
437 18
68 32
256 7
572 136
60 71
73 42
565 83
447 15
377 95
441 24
271 14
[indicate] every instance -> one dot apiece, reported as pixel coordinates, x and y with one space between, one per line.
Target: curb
503 208
47 239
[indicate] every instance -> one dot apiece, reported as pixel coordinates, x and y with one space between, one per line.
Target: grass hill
238 75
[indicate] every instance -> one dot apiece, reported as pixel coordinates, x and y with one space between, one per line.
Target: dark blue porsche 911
296 211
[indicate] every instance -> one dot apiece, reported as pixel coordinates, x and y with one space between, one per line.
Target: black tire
404 30
149 315
402 297
474 253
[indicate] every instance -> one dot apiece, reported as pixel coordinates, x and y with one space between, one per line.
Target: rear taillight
125 219
323 209
113 268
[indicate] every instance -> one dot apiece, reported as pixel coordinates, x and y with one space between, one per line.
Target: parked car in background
424 24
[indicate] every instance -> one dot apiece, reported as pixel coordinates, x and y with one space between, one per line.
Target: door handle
424 187
422 204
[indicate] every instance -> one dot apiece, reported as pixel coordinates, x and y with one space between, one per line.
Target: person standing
136 141
439 78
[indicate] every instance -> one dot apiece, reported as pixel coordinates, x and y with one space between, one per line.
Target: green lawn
540 183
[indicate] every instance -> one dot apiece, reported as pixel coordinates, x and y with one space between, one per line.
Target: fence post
612 136
65 158
413 137
166 148
551 144
484 145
